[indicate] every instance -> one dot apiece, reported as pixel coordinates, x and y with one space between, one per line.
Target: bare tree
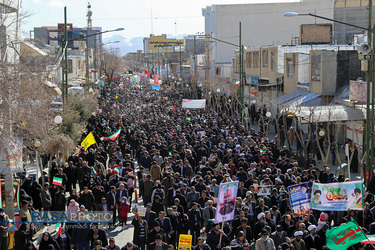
110 64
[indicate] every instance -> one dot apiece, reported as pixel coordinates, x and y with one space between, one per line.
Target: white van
75 90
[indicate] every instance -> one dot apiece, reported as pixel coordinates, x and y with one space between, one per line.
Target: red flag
147 73
156 80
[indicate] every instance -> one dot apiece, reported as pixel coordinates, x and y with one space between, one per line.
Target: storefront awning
332 113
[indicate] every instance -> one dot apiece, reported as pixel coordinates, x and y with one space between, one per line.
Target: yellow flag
88 141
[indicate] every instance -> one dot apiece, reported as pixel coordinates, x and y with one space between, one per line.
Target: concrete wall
348 68
353 12
328 80
290 83
262 24
315 34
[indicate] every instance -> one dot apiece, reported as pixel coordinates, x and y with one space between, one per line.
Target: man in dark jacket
201 245
46 197
97 234
213 237
150 216
98 193
82 172
313 240
71 175
87 199
195 222
60 200
148 187
112 202
278 236
155 231
61 175
165 224
146 161
140 232
158 244
80 236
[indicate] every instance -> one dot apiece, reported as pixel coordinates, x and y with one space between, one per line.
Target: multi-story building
10 31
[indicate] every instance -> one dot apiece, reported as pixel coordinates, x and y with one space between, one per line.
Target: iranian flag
147 73
238 82
57 181
113 137
94 171
58 228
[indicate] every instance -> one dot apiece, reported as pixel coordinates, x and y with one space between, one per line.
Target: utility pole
241 68
207 69
370 103
180 62
66 54
166 62
89 26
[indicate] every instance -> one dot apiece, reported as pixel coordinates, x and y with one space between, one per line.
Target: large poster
300 199
338 196
194 104
357 91
11 155
226 202
184 242
16 188
264 190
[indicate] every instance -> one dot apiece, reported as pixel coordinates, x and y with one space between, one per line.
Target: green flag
344 236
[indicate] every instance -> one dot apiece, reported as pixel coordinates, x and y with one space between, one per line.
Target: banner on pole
300 199
226 202
338 196
194 104
11 155
155 86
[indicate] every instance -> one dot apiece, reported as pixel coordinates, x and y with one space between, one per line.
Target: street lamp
370 83
38 166
58 120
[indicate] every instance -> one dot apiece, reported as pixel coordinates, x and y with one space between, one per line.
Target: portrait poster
300 199
16 189
338 196
11 155
264 190
226 202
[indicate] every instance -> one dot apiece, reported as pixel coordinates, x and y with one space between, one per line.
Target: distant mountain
127 45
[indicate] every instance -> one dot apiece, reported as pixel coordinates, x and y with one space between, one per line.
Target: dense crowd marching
177 158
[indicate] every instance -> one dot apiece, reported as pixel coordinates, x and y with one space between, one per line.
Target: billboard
157 42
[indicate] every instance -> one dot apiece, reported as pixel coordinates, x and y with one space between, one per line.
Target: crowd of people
177 158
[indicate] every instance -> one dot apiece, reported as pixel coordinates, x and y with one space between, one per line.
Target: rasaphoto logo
71 217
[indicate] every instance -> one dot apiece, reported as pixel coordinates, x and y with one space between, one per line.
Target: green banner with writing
344 236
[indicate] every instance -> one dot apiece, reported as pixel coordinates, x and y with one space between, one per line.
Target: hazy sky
168 16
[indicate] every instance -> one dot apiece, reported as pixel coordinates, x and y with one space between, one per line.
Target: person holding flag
88 141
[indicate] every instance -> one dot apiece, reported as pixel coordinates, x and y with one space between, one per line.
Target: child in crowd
123 209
